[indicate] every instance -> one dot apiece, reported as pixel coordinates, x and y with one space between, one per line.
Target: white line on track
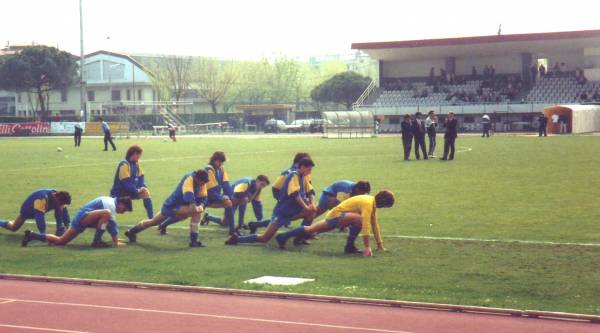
165 159
7 301
206 315
39 329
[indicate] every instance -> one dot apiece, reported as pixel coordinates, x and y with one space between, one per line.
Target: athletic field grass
539 197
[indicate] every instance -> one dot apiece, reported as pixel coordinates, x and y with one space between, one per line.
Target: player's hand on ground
380 248
120 243
368 252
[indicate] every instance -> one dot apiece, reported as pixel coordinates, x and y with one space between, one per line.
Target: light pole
82 63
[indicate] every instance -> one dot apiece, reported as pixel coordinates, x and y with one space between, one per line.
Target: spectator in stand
542 71
534 73
474 73
596 96
407 136
492 72
485 122
450 137
583 97
419 130
486 72
580 77
563 67
431 76
542 123
431 125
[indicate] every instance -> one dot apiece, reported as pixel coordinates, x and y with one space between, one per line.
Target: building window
64 95
128 94
140 94
91 96
116 95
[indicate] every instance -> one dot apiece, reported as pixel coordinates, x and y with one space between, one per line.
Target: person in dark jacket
542 124
407 136
77 134
419 130
450 137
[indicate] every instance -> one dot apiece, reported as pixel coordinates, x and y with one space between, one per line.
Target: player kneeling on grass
358 213
129 180
339 191
307 216
187 201
100 214
292 201
37 205
219 192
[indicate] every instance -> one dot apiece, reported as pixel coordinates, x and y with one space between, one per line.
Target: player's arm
227 190
113 230
367 215
377 232
294 191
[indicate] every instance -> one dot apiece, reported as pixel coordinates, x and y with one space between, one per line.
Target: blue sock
98 235
292 233
193 237
66 218
354 231
263 224
38 236
241 214
167 223
306 223
149 209
3 223
248 239
230 219
213 219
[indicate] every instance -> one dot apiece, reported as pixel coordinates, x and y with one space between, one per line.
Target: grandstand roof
481 45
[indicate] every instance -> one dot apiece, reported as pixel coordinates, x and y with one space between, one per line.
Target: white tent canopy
583 118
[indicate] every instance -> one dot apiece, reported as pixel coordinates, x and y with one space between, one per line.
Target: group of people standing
416 128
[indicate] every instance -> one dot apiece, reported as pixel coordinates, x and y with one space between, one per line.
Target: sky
243 29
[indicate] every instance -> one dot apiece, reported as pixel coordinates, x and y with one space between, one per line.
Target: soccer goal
348 124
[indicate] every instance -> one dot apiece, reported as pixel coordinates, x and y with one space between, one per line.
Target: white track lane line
39 329
206 315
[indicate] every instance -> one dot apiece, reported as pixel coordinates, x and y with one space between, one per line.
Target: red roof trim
477 40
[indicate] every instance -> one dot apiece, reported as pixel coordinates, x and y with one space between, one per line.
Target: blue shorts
27 212
324 200
76 223
215 199
335 222
170 211
280 221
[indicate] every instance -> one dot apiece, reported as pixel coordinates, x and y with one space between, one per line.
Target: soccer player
306 216
339 191
219 192
107 135
172 130
187 201
37 205
358 213
100 214
245 190
77 134
129 180
292 201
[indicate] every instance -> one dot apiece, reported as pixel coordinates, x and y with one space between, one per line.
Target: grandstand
511 77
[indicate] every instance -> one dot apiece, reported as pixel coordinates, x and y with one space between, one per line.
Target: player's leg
14 225
145 224
253 238
195 221
228 220
144 194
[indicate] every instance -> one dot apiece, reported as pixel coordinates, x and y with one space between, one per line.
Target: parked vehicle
275 126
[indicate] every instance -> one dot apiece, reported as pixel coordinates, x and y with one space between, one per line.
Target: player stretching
339 191
292 202
100 214
358 213
219 192
187 201
37 205
129 180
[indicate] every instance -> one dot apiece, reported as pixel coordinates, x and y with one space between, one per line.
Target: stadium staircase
170 117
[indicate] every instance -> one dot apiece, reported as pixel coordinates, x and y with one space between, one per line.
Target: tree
171 76
38 70
213 79
344 88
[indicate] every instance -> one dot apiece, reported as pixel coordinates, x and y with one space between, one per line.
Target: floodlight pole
82 63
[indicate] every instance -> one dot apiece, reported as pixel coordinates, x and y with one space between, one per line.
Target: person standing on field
431 125
407 136
450 137
485 122
542 123
107 135
77 134
419 134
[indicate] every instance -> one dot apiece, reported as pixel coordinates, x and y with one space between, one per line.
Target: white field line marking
7 301
164 159
206 315
457 239
39 329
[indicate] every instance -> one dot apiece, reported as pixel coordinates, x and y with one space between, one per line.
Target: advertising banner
95 128
65 127
24 129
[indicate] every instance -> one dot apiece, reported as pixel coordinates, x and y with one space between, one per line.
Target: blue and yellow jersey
341 190
37 203
293 186
98 204
279 182
187 192
363 205
129 177
218 181
246 188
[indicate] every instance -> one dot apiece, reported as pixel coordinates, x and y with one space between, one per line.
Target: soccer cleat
131 236
252 227
204 220
26 238
60 232
243 227
281 241
237 231
301 241
352 250
196 244
162 230
232 240
100 245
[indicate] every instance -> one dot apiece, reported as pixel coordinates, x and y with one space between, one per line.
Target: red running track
55 307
